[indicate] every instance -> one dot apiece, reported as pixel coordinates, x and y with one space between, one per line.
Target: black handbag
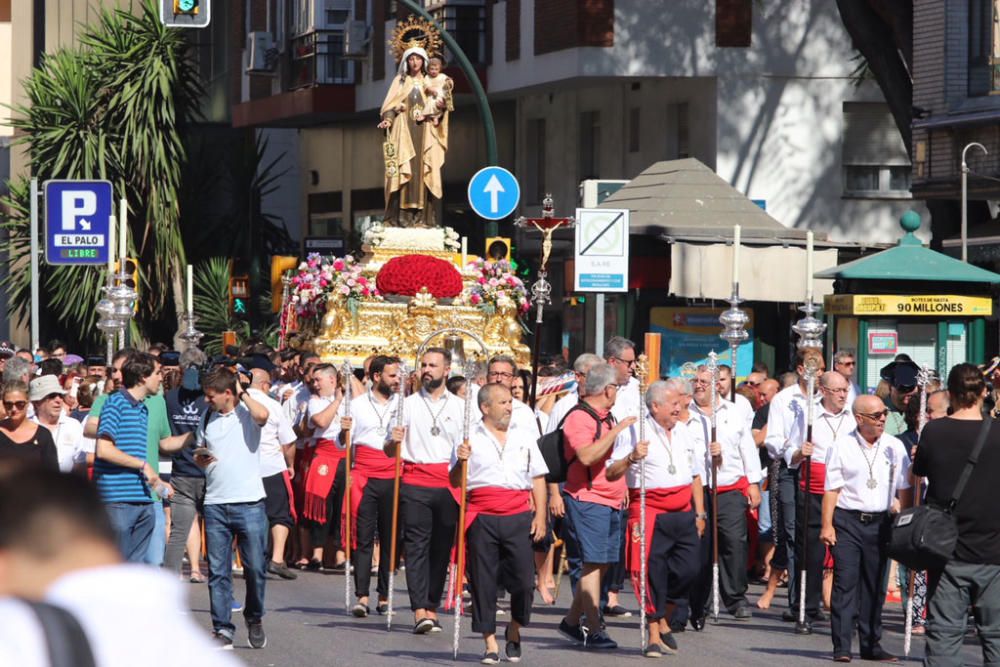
924 537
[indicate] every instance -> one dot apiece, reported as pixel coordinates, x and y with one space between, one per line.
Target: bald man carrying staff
865 471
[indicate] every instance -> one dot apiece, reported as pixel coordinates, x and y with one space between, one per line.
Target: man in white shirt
57 547
673 473
277 456
726 391
234 502
865 472
786 420
506 479
581 366
621 353
46 395
432 428
501 369
738 478
327 474
373 414
831 420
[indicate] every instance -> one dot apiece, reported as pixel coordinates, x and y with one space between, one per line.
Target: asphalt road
306 625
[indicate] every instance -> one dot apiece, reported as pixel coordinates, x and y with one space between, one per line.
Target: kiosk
909 299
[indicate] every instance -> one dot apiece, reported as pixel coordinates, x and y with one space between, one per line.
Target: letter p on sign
77 204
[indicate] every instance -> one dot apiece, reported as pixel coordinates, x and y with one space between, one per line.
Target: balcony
318 86
317 59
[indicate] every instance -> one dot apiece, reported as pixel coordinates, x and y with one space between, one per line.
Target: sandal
197 577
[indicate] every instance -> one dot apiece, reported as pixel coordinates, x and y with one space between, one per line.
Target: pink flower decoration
476 299
338 264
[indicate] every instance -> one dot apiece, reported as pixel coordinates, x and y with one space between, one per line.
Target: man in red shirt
593 504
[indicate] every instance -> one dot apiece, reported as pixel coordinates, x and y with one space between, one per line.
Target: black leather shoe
878 655
698 624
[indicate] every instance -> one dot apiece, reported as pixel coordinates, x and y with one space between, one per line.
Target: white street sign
601 250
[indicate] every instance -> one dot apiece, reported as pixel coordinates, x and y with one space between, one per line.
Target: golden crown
414 32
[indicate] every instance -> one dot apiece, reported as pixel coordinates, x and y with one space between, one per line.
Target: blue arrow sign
78 221
494 193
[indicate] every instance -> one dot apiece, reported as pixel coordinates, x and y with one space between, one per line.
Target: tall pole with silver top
348 375
810 332
734 320
404 379
713 368
642 374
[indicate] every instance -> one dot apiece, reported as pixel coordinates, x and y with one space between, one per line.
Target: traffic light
239 294
497 248
185 13
187 7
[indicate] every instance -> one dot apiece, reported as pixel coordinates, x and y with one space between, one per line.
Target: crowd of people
700 487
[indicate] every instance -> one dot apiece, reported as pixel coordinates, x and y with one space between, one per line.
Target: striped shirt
125 422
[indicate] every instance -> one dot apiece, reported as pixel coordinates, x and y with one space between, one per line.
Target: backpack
553 446
65 640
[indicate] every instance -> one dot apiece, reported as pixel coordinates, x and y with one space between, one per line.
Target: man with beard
432 429
902 378
373 415
832 419
673 472
506 478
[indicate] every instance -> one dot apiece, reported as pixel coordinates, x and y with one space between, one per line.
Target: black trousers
429 517
816 553
859 565
673 560
733 554
319 532
500 550
374 514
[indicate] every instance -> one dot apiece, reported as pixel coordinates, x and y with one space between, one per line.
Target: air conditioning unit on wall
356 38
262 55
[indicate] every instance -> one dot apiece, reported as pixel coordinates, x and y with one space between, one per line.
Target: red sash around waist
817 477
496 501
434 475
742 485
319 481
658 501
369 463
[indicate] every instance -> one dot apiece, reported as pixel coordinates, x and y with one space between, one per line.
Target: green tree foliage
113 109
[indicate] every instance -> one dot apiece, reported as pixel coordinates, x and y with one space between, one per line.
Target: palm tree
113 109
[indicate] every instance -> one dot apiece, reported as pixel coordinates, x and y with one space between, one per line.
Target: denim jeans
133 524
247 522
158 540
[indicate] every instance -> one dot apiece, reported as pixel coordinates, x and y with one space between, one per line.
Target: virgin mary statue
415 119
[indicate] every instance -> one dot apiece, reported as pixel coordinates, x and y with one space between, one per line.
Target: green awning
910 260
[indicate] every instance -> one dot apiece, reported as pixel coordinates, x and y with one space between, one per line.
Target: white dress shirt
119 608
561 409
786 420
421 414
828 427
273 435
373 418
628 403
520 413
852 462
739 453
675 448
318 404
70 445
513 465
297 410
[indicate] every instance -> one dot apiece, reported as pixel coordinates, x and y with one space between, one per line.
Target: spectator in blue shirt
122 473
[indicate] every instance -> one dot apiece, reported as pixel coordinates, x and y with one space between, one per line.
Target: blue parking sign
78 221
494 193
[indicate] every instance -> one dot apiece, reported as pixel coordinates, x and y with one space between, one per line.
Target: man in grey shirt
229 449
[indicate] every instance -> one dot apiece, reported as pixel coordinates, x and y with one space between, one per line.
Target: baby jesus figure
437 92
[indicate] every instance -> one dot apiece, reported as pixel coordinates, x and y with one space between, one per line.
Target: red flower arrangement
406 274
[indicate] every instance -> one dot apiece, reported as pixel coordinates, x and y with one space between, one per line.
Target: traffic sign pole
34 249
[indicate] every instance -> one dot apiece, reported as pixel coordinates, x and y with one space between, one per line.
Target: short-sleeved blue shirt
125 422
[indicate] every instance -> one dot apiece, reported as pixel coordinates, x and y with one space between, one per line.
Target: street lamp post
965 198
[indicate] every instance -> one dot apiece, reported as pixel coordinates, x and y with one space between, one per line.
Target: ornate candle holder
734 322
